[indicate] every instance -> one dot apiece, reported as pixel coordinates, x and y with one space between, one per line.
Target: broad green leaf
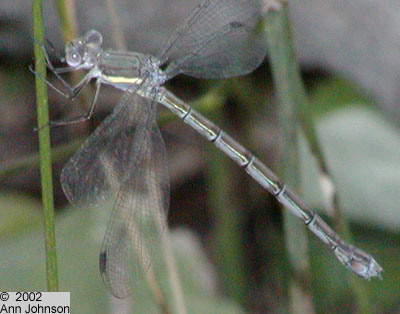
363 153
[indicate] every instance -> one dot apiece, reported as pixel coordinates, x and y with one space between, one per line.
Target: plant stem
287 82
115 26
227 243
69 27
67 17
44 149
331 197
305 117
173 276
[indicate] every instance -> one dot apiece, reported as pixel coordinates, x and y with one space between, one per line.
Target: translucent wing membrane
218 40
124 160
95 171
134 232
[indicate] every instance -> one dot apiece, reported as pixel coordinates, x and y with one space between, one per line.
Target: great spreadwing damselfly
125 159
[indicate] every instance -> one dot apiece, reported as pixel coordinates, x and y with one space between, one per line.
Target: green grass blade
44 149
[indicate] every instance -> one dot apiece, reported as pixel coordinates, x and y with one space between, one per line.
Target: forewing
134 232
218 40
94 173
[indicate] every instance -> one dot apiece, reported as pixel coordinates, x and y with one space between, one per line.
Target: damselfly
125 157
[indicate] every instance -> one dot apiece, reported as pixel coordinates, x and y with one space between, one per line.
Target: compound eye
93 37
72 56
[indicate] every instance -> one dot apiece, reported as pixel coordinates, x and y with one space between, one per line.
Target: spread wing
218 40
124 160
94 173
134 232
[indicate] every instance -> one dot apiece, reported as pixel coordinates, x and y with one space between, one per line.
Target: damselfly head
83 52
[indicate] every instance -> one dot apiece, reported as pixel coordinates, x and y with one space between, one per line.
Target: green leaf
363 153
335 93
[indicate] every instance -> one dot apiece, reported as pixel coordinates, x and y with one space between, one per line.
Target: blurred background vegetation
226 231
